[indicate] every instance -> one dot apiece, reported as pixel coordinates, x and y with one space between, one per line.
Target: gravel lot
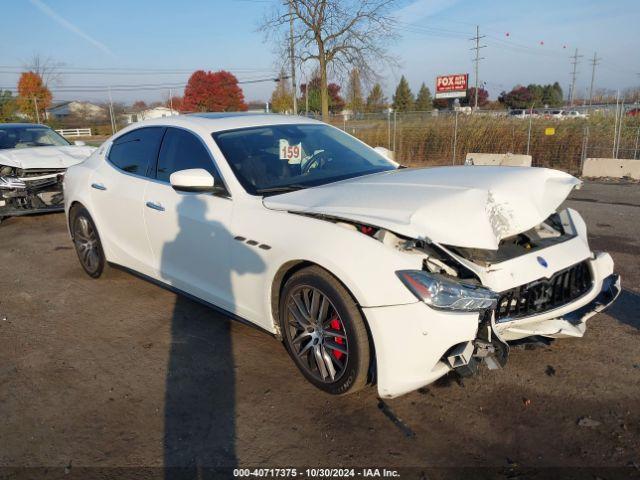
121 373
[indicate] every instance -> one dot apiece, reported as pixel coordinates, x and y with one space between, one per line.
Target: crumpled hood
473 207
45 157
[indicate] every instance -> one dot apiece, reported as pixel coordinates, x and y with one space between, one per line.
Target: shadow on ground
200 397
626 307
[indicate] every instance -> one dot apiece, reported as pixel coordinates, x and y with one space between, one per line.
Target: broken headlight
11 183
441 292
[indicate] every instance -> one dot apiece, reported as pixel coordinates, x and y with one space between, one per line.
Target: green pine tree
376 101
424 102
403 100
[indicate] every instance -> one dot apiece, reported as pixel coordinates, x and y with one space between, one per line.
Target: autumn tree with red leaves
31 93
213 92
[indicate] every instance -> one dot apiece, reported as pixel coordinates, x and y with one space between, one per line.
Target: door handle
155 206
98 186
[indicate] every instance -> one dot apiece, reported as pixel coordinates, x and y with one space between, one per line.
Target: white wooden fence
75 132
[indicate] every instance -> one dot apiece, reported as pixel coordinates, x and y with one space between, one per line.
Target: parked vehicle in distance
33 161
367 272
518 113
634 112
573 114
553 114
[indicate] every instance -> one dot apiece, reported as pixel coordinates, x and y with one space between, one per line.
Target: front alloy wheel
317 334
324 332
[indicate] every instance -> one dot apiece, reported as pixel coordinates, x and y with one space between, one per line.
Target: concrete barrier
611 167
504 159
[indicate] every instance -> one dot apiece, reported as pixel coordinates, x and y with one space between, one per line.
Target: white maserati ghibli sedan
369 273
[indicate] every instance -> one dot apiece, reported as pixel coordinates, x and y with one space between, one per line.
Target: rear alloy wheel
87 242
324 332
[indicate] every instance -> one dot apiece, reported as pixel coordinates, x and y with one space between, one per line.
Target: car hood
473 207
45 157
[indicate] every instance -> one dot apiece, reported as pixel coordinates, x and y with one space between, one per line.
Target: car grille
546 294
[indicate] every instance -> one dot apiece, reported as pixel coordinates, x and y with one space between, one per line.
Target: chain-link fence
424 138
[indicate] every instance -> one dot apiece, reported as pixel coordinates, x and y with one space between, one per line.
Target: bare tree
338 34
46 67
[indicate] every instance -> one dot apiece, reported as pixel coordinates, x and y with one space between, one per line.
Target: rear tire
87 242
324 331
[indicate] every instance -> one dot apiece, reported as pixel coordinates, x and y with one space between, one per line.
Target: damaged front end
538 285
24 192
491 348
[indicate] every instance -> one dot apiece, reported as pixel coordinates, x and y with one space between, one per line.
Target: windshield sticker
290 153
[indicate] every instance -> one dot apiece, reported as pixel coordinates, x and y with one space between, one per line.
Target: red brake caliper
334 323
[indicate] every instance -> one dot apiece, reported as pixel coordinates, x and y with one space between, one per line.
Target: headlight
439 291
11 183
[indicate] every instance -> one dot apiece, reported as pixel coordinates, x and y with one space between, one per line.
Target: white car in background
368 273
33 160
573 114
558 114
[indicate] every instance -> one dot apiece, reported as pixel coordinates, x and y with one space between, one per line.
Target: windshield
29 136
278 158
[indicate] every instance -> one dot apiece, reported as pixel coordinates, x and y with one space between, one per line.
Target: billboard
452 86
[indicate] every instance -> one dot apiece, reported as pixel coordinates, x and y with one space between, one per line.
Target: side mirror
79 143
192 180
386 153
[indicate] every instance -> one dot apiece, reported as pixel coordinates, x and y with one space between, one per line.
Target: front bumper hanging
31 194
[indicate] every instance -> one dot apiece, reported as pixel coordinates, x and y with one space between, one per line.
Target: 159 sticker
291 153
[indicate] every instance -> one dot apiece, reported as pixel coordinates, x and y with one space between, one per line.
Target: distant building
148 114
84 110
257 107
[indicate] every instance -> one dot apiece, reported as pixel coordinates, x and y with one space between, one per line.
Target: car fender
363 264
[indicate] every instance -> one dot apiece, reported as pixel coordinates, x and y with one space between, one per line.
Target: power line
135 87
477 60
575 60
121 70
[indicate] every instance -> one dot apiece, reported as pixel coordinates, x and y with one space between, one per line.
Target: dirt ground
118 372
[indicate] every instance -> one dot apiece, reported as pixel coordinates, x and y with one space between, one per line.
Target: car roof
22 125
216 122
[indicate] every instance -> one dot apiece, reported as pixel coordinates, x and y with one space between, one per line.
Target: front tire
324 332
87 242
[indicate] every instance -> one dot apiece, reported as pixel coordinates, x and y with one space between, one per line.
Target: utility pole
575 60
113 125
306 95
35 102
594 62
293 59
171 100
477 61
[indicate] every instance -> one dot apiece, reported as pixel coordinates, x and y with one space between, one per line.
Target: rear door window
136 151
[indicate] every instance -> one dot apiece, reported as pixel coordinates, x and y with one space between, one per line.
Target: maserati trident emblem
542 262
